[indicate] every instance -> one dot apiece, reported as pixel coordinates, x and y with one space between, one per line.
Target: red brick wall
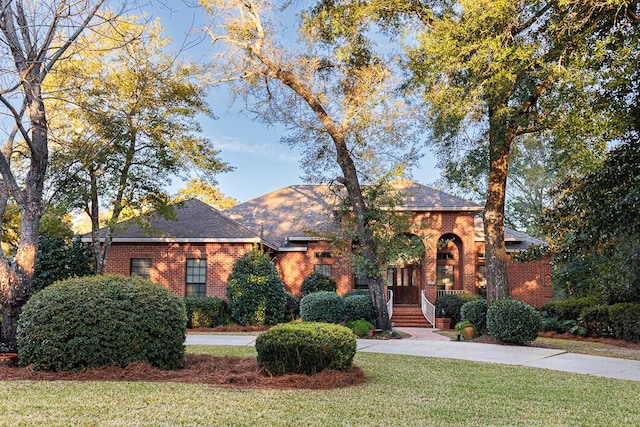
168 262
294 267
530 281
434 225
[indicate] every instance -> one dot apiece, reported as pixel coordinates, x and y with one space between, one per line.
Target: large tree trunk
500 139
366 242
16 276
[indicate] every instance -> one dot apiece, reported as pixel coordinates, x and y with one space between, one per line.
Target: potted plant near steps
466 329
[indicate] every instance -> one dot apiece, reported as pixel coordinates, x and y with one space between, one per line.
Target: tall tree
338 102
35 36
487 69
536 168
491 70
595 229
133 107
205 192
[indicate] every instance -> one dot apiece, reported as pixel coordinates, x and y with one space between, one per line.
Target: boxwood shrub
305 348
323 306
513 321
255 291
451 305
476 313
360 327
97 321
206 312
316 282
359 307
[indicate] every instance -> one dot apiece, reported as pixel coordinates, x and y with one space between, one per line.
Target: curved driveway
424 342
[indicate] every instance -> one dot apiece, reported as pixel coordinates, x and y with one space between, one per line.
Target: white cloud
271 151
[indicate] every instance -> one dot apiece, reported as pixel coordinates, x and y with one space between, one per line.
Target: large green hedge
305 348
99 321
255 291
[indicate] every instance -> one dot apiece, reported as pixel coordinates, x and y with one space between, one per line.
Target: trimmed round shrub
305 348
206 312
317 282
360 327
323 306
451 304
359 307
476 313
255 291
513 322
97 321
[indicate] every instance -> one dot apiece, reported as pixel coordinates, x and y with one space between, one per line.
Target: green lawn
402 390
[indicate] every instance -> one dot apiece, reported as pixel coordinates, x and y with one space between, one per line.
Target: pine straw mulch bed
225 371
609 341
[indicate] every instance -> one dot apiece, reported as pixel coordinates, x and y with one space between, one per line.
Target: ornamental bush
625 321
292 308
571 309
206 312
513 321
317 282
97 321
356 292
323 306
595 321
359 307
360 327
476 313
305 348
255 291
451 304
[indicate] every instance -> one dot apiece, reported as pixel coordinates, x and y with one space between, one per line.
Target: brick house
194 254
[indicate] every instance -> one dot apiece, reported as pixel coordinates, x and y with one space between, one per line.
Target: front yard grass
402 390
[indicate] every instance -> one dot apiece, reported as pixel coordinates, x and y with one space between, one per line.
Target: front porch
421 315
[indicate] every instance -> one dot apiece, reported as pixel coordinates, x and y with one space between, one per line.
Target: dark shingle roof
513 239
419 197
195 221
290 213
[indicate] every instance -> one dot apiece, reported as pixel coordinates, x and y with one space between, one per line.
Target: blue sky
262 164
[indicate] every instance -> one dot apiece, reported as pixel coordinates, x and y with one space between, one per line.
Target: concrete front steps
409 316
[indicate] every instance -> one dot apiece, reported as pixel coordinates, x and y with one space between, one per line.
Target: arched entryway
405 275
448 263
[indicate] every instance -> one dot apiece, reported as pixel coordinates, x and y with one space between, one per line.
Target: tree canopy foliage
595 229
338 101
205 192
35 37
493 73
133 109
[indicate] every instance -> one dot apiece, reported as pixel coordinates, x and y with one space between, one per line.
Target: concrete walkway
424 342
